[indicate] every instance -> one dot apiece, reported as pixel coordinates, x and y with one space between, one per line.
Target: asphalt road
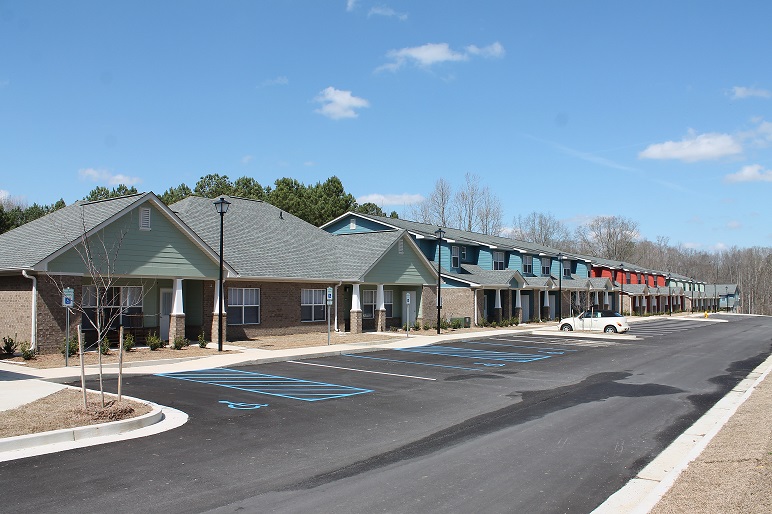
504 424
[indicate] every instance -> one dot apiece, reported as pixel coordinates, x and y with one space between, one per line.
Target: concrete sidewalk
20 385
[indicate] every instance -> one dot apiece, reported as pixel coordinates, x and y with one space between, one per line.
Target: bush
104 346
9 345
179 343
70 346
128 342
201 340
154 342
27 352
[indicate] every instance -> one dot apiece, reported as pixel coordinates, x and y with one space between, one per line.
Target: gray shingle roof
31 243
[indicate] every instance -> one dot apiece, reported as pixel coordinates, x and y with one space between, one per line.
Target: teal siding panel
516 262
162 251
394 268
485 258
343 226
582 269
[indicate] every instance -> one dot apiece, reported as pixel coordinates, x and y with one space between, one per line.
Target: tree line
473 207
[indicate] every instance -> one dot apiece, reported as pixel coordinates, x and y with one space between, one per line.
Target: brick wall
15 307
279 310
456 303
52 317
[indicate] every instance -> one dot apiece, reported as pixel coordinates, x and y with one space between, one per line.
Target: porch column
545 311
497 306
177 316
380 313
215 336
356 310
518 306
606 304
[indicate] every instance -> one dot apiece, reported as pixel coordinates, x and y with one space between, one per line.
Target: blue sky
656 111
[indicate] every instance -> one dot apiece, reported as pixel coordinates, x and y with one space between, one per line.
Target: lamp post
726 295
669 295
560 287
221 206
622 288
439 233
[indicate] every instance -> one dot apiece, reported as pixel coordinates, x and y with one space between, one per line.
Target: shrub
179 343
154 342
128 342
27 352
201 340
9 345
457 323
104 346
70 346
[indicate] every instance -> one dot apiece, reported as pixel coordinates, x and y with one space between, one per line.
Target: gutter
33 335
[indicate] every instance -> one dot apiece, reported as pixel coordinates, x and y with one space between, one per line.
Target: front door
166 310
409 309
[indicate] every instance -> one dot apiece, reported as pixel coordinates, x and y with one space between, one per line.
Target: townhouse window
368 304
528 264
455 257
566 269
627 277
463 253
388 301
640 278
545 268
498 260
243 306
144 218
312 304
119 306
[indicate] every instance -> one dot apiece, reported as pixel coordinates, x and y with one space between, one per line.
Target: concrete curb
68 435
644 491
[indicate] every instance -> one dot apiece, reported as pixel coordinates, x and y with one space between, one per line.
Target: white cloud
276 81
350 4
430 54
104 176
309 164
740 92
381 200
692 246
337 104
387 12
694 148
247 159
750 173
734 225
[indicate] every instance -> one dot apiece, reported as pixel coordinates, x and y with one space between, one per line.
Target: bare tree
609 237
436 209
467 203
490 213
543 229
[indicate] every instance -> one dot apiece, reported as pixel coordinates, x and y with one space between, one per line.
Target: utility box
467 322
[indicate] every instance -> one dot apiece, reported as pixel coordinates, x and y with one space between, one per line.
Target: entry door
525 300
166 310
409 309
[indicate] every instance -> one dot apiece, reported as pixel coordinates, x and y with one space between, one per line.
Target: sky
657 111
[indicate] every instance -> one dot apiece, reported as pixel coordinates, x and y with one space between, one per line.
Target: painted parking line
556 351
408 362
360 370
273 385
466 353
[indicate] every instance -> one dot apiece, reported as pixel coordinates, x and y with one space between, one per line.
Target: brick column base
176 326
356 322
497 315
545 313
380 320
518 314
215 338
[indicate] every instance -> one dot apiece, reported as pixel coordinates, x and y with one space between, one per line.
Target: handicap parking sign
68 297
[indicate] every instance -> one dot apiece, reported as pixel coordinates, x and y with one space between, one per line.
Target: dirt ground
64 409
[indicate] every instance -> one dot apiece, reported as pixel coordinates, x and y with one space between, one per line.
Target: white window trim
323 302
242 305
502 260
388 299
369 298
455 257
528 264
546 268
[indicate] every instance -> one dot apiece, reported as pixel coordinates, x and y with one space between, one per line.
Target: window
640 278
528 264
388 301
352 224
243 306
463 253
455 257
545 267
122 305
567 269
312 303
368 304
627 277
144 218
498 260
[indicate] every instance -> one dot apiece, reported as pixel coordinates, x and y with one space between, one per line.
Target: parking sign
68 297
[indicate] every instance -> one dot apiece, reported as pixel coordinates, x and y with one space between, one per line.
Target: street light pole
669 295
221 206
726 295
439 233
560 287
622 288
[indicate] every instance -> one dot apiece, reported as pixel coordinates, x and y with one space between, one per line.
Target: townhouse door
166 310
409 309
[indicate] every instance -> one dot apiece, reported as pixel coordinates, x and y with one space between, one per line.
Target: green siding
163 251
394 268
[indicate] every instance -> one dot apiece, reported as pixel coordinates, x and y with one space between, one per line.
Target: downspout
337 329
33 336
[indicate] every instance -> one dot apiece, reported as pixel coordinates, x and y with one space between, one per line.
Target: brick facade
15 307
456 303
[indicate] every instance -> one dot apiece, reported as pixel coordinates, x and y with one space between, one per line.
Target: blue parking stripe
466 353
551 351
273 385
408 362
